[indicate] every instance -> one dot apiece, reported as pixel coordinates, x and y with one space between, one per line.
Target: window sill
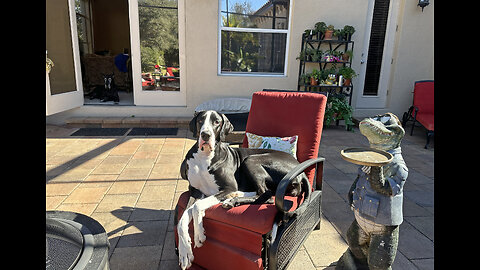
257 74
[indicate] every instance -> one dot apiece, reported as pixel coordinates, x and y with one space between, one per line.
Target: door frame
68 100
378 101
156 98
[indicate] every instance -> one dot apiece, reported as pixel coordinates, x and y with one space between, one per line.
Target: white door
373 95
64 88
151 86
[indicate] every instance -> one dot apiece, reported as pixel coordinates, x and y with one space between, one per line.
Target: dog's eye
217 122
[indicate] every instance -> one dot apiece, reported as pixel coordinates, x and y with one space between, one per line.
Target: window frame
252 30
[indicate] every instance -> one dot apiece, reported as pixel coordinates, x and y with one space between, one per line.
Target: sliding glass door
157 38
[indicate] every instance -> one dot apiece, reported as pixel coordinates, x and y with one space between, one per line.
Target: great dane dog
218 173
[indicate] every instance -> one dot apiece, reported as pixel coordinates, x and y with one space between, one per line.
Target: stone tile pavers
131 186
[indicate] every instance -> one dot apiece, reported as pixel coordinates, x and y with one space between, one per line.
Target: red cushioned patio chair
422 109
241 237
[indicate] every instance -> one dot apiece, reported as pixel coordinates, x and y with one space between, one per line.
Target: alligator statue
376 198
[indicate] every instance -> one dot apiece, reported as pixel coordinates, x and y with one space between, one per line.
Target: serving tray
366 156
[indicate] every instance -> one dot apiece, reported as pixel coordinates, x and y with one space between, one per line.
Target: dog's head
108 80
210 127
294 189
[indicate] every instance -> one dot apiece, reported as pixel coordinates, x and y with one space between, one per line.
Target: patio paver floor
131 186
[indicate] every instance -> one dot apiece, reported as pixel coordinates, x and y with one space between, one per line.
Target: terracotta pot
313 81
328 34
346 82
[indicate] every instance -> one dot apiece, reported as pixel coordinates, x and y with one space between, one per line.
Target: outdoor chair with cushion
241 237
422 110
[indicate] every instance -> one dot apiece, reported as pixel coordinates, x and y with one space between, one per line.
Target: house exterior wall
204 83
413 56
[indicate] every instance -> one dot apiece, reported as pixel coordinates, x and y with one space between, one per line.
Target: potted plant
338 109
320 28
340 34
308 33
305 78
347 55
329 31
348 30
315 76
317 56
332 56
309 52
348 73
301 56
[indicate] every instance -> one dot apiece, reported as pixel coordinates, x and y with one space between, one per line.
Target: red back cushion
282 114
423 97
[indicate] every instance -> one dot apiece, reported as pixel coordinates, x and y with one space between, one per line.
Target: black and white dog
107 92
218 173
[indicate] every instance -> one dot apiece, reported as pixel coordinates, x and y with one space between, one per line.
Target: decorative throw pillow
285 144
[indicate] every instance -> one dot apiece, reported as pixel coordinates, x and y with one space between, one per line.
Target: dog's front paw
228 203
185 254
199 237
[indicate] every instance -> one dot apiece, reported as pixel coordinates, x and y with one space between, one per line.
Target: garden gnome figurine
376 198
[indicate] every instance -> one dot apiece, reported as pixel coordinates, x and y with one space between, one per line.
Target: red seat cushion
426 119
253 217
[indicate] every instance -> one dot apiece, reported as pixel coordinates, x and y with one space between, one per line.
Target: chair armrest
415 112
282 186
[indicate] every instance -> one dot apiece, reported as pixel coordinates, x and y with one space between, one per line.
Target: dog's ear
227 127
193 125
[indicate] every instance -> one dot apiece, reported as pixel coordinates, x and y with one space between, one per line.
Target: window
84 26
160 62
253 36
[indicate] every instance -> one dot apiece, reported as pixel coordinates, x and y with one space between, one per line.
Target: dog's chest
198 174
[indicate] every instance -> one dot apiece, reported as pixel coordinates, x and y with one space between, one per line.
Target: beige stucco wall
413 60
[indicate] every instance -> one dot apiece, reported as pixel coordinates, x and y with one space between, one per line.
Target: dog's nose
205 135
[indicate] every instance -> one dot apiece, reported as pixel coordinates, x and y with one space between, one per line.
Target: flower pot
313 81
346 82
328 34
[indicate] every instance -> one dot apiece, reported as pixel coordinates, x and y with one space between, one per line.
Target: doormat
100 132
152 131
